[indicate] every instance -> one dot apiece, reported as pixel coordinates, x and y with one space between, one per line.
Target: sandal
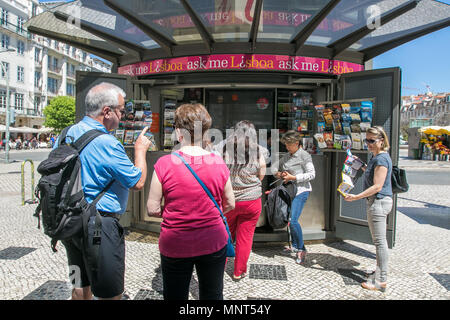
241 276
374 285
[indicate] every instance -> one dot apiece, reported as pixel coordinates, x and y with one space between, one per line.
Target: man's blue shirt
103 160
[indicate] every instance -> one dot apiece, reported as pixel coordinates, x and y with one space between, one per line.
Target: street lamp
7 106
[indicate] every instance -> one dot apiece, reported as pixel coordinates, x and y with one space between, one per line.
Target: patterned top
245 182
301 166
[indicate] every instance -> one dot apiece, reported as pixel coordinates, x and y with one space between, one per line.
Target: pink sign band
223 62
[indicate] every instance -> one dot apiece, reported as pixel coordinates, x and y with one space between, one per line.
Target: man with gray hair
104 161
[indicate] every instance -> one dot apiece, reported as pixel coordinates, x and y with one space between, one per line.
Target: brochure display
168 124
343 125
137 116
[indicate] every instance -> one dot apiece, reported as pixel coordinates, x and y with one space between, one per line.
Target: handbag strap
206 190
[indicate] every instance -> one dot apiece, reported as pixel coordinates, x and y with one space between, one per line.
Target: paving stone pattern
419 267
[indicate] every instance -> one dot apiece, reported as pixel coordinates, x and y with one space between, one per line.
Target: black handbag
398 180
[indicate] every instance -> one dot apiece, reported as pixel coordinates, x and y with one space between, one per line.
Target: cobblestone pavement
419 265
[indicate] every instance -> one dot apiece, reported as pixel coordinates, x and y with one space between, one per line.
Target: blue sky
424 61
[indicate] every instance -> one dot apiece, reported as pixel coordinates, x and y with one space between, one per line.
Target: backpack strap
62 137
87 137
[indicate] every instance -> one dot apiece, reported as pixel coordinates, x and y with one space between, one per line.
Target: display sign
262 103
225 62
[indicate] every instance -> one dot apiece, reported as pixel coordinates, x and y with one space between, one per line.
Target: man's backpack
278 205
59 190
398 180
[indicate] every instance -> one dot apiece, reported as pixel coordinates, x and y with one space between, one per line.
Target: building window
74 51
19 101
37 104
20 47
20 22
70 70
33 9
5 41
4 17
20 74
2 99
37 79
52 85
6 67
56 44
70 89
37 55
53 64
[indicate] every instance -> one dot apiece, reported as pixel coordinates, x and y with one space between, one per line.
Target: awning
132 31
435 130
25 129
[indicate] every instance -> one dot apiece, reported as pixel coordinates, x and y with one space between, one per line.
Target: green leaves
60 113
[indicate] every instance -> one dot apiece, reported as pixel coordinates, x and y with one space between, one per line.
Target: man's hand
142 143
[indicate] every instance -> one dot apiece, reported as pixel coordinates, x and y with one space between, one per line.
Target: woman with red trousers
245 160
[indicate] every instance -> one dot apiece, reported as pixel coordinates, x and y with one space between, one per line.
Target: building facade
38 69
425 109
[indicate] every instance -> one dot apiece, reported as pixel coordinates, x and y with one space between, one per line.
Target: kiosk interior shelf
295 112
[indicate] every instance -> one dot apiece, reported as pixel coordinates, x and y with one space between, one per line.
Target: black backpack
59 190
278 205
398 180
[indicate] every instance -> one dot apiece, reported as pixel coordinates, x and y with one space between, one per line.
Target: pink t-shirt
192 225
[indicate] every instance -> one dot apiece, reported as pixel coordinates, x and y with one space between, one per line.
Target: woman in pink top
192 230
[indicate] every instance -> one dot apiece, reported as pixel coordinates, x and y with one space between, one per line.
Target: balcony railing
32 112
14 28
54 68
71 74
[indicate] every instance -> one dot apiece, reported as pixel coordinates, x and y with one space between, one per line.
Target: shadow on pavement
427 204
435 216
350 248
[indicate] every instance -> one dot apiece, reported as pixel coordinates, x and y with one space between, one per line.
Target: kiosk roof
131 31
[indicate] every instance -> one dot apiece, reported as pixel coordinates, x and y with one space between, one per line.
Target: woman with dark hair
378 192
192 231
296 166
245 160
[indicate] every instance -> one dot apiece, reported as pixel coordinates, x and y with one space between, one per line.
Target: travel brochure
129 137
350 172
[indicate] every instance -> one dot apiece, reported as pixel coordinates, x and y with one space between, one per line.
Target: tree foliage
60 113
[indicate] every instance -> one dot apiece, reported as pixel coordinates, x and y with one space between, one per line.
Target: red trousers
242 223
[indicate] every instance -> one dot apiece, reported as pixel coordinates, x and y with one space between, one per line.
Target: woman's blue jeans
296 231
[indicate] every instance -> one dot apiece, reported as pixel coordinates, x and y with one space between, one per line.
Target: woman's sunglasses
370 141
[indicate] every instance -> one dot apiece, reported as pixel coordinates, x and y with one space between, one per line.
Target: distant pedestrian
378 192
248 168
296 166
192 230
102 161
